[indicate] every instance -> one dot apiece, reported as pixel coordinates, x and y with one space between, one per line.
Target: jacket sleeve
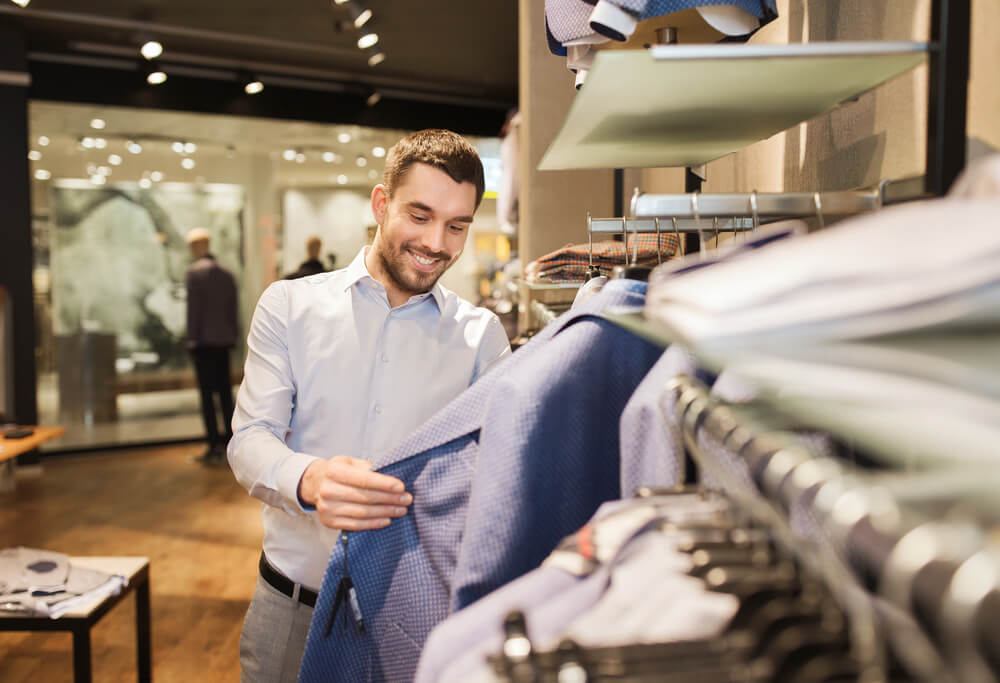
260 459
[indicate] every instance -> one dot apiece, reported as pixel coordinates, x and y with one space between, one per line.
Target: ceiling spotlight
21 3
329 157
100 143
98 179
156 176
97 124
362 18
300 158
342 179
34 155
154 74
253 87
151 49
178 147
373 99
190 148
288 155
367 40
339 2
133 147
344 138
115 160
145 183
187 163
42 174
376 58
43 140
378 152
361 161
88 143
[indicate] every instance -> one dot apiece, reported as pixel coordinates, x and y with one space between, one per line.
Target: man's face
423 228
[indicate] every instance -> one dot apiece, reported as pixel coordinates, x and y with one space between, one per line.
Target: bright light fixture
88 143
300 158
329 157
344 138
156 77
342 179
21 3
114 160
133 147
362 18
187 163
190 148
104 170
373 99
376 59
253 87
378 152
43 140
98 179
361 161
34 155
367 40
145 183
156 176
151 49
97 124
339 2
178 147
42 174
100 143
288 155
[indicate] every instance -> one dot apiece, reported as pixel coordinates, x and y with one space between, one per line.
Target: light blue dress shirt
333 369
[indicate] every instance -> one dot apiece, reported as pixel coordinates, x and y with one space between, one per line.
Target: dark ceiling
439 53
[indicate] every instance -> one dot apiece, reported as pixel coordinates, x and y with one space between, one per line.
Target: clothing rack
942 574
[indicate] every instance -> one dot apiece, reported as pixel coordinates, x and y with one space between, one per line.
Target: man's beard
400 270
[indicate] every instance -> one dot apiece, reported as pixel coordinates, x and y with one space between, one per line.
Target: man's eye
419 219
457 228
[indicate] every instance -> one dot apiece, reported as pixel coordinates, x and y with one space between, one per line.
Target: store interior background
285 178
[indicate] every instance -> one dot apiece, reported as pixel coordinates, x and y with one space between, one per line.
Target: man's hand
349 496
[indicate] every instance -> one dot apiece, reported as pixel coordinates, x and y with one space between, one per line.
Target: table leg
143 631
81 654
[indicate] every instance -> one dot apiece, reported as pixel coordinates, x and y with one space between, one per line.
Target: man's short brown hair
442 149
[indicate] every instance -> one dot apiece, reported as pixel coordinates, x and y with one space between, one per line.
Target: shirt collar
358 271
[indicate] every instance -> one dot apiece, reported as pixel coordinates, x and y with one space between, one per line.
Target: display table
11 448
80 620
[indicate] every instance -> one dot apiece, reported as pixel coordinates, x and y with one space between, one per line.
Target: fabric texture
571 263
333 369
273 636
514 464
211 304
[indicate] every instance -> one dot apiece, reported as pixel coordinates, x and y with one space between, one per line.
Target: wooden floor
201 531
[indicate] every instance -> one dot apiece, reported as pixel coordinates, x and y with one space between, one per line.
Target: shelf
684 105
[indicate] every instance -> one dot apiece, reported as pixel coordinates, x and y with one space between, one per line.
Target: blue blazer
518 461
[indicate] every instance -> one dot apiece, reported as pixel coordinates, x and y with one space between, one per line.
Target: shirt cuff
290 475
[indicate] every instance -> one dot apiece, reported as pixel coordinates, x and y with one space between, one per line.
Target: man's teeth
422 260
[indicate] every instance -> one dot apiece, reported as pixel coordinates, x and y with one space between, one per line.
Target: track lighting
361 17
22 3
154 74
253 87
367 40
376 57
151 49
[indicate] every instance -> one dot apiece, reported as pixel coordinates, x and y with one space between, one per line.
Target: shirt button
385 358
378 410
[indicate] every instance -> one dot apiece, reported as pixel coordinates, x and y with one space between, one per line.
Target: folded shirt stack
882 329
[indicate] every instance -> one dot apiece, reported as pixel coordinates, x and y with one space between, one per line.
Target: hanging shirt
333 369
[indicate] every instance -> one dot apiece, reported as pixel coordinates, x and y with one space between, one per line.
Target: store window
114 193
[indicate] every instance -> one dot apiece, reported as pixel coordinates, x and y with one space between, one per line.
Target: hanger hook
819 208
702 250
754 217
656 221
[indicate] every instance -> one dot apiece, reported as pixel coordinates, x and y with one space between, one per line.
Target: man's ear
379 200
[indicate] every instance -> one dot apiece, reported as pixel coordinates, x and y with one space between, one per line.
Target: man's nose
433 238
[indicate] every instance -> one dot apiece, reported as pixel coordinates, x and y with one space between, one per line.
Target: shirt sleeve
260 459
493 348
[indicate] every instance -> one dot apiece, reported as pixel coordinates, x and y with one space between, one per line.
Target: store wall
553 204
880 135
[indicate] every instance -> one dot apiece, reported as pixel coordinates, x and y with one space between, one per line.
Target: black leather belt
284 584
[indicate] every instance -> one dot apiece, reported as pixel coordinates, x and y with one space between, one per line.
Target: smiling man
340 367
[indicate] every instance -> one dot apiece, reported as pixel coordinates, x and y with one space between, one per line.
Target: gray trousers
273 637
